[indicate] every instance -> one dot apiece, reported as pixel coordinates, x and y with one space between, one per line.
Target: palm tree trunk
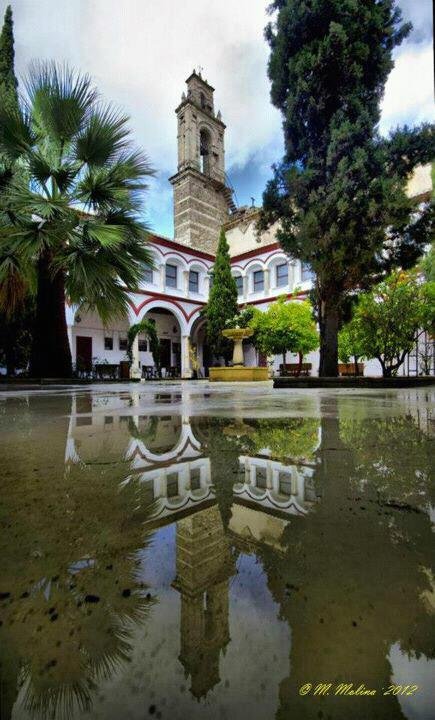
51 353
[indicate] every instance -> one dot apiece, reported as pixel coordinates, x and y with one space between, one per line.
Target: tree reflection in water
355 576
70 534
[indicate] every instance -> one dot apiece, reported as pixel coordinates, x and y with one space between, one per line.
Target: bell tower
202 200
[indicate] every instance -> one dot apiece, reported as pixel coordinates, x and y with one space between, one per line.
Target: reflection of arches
205 151
176 447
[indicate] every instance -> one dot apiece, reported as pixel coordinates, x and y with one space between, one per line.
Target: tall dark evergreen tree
8 83
340 191
222 304
15 323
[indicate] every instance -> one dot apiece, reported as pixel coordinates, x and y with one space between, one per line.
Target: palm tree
72 214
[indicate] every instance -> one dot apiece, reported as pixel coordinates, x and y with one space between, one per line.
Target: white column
247 471
291 274
245 287
70 340
162 279
186 282
186 368
269 475
135 368
266 280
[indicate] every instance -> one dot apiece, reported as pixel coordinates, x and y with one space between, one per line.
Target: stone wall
200 210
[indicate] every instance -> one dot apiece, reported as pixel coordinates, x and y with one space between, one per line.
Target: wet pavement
185 550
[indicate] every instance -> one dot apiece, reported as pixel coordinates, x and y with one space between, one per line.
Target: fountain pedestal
238 372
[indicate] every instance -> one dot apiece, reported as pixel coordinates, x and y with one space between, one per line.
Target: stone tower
204 566
202 201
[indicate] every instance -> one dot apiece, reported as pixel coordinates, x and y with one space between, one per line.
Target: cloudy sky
140 52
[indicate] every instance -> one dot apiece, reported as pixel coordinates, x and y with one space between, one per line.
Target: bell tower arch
202 200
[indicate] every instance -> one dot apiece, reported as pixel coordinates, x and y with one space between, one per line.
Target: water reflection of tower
204 566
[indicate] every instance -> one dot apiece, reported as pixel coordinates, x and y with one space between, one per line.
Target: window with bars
282 275
193 281
108 343
171 275
258 277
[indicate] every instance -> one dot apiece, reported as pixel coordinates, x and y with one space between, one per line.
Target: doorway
83 354
165 353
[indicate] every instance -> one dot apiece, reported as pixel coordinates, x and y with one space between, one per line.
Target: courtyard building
176 288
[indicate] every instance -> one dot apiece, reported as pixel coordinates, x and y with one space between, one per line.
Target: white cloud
139 53
409 91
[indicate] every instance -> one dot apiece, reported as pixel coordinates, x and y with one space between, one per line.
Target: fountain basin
238 372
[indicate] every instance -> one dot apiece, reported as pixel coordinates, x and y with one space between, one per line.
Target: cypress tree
222 304
16 328
8 81
340 191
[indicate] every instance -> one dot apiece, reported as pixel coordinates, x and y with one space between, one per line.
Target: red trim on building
164 296
301 295
157 240
187 316
256 251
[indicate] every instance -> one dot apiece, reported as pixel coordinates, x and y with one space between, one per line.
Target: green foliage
74 213
8 81
285 327
340 191
349 343
375 445
8 86
242 319
148 328
427 265
292 441
222 304
388 320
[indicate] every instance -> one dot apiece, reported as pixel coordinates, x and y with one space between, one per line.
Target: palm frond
104 137
104 234
117 185
16 135
60 100
17 274
26 202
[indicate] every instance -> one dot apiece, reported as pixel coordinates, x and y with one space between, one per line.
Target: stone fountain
238 372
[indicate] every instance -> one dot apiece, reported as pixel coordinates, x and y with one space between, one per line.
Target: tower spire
201 198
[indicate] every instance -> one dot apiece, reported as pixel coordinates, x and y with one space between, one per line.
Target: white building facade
176 290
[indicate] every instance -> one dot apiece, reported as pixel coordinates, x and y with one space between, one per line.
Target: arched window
202 99
204 151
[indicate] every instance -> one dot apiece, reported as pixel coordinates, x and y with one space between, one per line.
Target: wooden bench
346 369
295 369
